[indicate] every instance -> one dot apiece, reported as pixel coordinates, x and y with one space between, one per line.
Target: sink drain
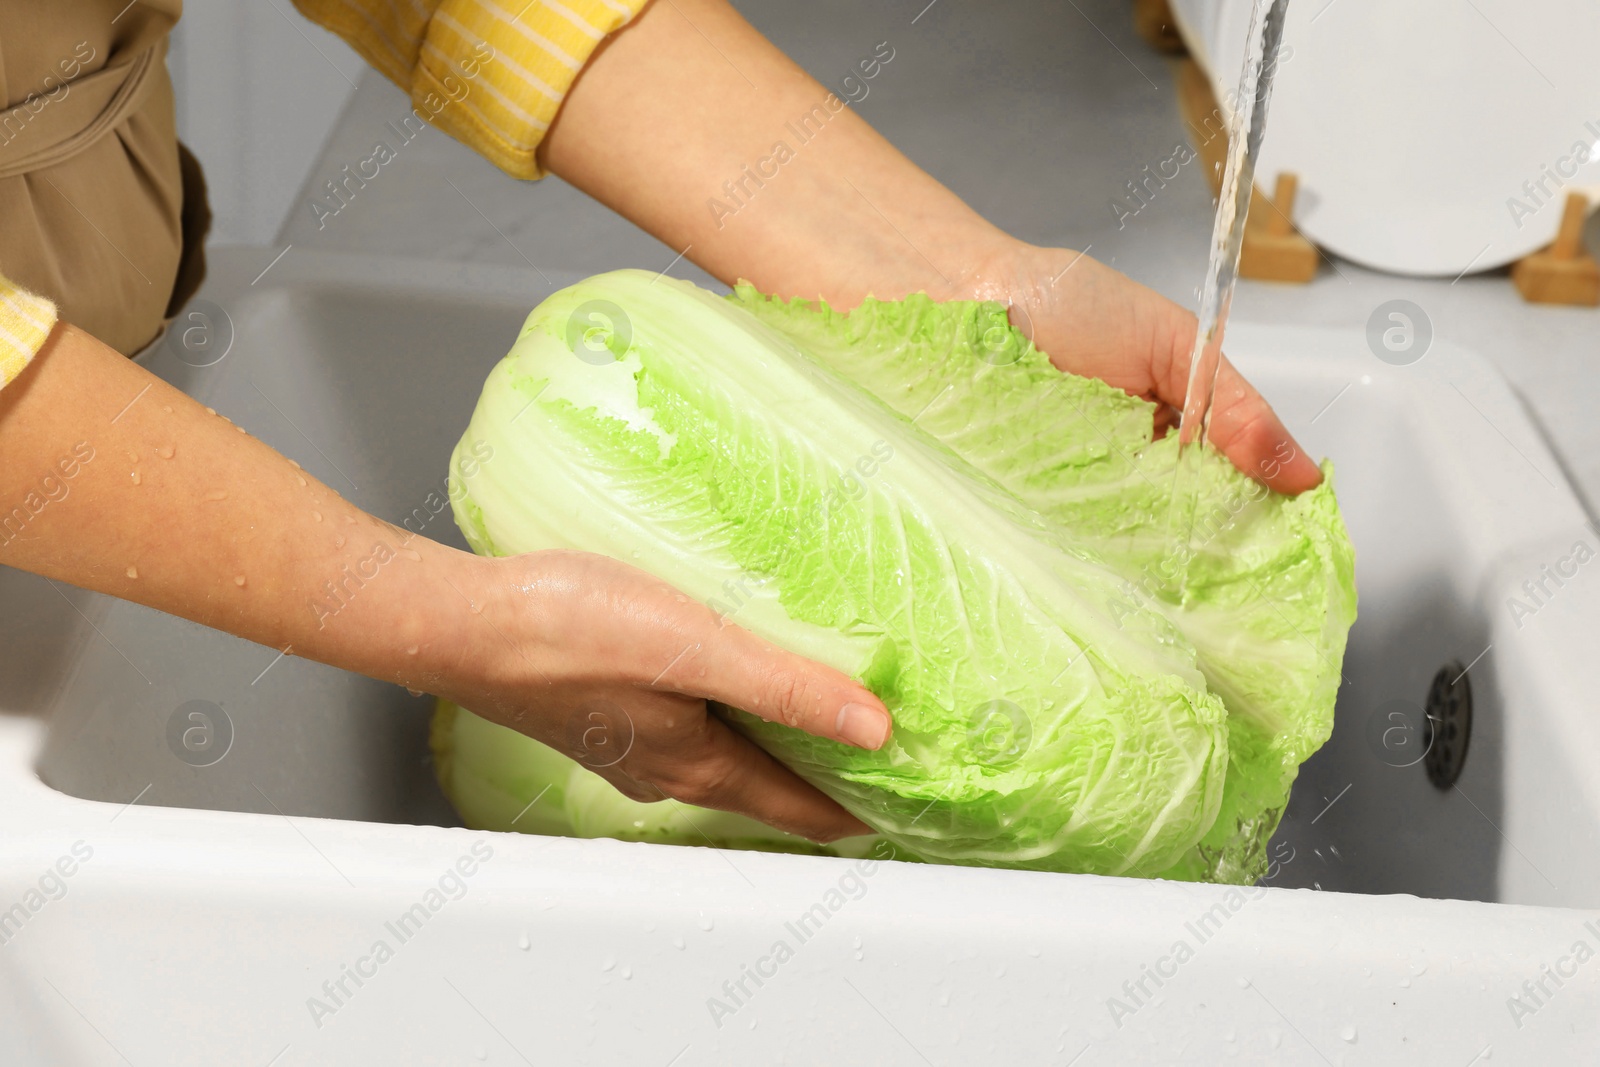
1449 725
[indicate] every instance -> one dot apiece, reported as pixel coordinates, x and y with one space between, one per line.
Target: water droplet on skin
133 572
133 457
238 580
136 478
523 942
317 515
413 692
211 411
167 408
410 553
166 451
338 542
295 465
241 429
301 480
217 494
475 607
412 651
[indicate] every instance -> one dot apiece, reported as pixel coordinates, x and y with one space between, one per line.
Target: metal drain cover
1449 725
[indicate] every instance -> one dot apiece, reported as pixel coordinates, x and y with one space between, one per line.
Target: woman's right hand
614 667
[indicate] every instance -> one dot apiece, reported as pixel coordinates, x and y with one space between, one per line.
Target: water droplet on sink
608 965
705 922
677 943
1348 1033
133 572
523 942
627 974
480 1053
1405 983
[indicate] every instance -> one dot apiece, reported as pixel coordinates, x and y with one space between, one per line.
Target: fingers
1246 430
735 667
629 623
1243 425
714 767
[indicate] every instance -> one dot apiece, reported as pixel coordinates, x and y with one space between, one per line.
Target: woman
670 113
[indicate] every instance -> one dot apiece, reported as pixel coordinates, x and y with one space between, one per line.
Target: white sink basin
200 922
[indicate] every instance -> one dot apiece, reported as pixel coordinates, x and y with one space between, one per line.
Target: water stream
1246 125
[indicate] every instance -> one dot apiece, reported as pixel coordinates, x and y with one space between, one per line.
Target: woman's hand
170 505
613 667
703 101
1098 323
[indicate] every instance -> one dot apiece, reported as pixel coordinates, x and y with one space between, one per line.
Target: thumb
732 666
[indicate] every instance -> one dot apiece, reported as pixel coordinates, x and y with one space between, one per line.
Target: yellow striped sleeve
25 321
491 73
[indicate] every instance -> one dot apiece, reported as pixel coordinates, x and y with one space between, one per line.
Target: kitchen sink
216 854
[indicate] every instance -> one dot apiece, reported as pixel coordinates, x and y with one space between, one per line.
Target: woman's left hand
1099 323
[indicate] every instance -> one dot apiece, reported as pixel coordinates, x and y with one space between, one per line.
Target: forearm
659 121
172 506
